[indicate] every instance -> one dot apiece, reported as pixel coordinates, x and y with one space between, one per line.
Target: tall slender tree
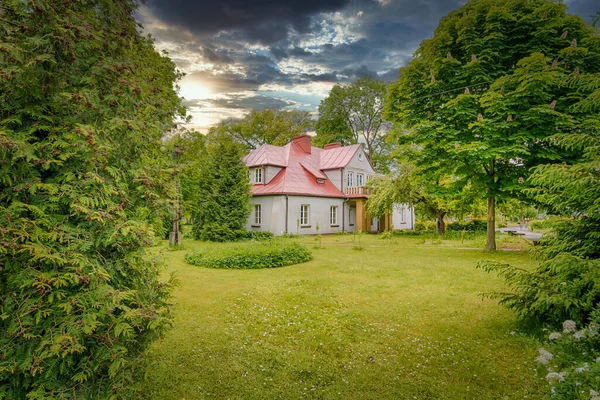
223 191
482 98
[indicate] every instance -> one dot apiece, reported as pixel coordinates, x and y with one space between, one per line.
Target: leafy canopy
354 113
482 99
269 126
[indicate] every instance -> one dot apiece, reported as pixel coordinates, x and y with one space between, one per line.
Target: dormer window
320 180
258 178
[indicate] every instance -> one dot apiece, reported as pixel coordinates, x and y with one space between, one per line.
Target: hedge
270 254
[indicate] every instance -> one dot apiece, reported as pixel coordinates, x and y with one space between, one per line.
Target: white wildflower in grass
579 334
569 326
553 376
555 336
586 367
545 353
593 394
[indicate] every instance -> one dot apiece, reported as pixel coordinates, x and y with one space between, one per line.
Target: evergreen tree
483 97
84 101
223 192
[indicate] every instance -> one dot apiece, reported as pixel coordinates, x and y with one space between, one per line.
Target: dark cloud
235 46
265 21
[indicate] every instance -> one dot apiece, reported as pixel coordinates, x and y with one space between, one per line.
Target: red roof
301 171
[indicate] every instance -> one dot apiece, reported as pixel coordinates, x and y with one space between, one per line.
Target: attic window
360 156
320 180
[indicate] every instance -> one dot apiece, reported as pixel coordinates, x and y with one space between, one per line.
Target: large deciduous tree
84 101
354 113
223 192
268 126
483 98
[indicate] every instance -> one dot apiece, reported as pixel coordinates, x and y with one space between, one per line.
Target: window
350 181
257 214
402 215
258 175
333 213
360 156
360 180
304 214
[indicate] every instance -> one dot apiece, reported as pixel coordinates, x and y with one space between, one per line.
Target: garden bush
476 225
570 361
270 254
424 226
562 288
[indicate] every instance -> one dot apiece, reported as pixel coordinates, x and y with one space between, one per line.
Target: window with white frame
257 214
350 180
403 215
258 175
304 214
333 215
360 180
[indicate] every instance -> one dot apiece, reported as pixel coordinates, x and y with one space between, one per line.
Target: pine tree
84 102
224 191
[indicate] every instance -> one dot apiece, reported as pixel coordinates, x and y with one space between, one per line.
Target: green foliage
475 225
85 101
268 126
223 192
542 224
570 360
561 288
353 114
260 236
515 58
269 254
424 226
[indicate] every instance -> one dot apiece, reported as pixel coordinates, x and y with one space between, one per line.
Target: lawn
368 318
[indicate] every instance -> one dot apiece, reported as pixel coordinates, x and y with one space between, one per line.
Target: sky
240 55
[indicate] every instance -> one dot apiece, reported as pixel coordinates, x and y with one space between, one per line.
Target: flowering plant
570 361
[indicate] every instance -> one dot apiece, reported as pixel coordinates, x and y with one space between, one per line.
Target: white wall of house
403 216
335 176
358 165
270 172
273 215
272 210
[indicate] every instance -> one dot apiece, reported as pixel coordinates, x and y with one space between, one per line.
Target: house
302 189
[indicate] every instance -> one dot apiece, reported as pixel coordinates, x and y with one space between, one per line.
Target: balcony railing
357 191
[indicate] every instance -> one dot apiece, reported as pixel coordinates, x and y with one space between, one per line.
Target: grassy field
368 318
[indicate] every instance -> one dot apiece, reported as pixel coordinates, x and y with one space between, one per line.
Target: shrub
561 288
476 225
570 361
424 226
260 236
250 256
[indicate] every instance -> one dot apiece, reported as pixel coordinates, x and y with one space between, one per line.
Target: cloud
240 54
264 21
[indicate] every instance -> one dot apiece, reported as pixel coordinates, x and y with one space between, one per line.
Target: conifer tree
223 192
84 101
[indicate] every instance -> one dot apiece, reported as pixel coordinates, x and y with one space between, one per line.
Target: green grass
400 318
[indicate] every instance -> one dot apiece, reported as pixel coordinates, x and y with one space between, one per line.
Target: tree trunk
491 224
440 225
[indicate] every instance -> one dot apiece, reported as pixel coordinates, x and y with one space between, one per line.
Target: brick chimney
304 142
332 146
